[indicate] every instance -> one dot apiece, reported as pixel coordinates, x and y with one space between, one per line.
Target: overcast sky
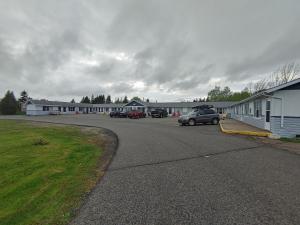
160 49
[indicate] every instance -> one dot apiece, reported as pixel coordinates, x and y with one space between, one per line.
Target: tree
73 101
214 94
108 99
125 99
9 104
92 99
147 100
261 85
282 75
102 99
85 100
118 101
23 97
136 98
218 94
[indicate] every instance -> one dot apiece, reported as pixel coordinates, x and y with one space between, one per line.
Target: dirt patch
289 146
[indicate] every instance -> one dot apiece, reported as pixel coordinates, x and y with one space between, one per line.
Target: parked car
204 116
135 114
118 114
159 113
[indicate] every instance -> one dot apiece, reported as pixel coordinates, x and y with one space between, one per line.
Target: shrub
9 104
40 141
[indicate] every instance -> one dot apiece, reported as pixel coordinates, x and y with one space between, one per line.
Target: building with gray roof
45 107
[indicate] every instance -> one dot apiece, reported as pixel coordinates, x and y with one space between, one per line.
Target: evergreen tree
24 97
147 100
9 104
102 99
108 99
125 99
73 101
136 98
85 100
93 99
118 101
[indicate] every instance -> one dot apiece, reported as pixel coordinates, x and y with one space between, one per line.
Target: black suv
159 113
118 114
206 115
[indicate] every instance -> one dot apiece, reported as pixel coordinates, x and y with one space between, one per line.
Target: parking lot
167 174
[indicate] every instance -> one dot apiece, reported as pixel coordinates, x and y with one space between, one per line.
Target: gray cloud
284 50
163 50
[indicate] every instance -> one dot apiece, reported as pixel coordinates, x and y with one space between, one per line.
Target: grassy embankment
45 171
293 140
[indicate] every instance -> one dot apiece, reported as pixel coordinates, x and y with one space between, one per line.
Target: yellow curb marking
245 132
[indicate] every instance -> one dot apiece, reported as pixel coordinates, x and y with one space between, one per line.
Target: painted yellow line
245 132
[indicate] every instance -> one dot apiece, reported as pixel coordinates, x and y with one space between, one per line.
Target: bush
9 104
40 141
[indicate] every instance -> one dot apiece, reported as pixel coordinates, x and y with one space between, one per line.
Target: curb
245 132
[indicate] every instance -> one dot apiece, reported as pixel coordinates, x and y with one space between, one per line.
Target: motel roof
44 102
269 91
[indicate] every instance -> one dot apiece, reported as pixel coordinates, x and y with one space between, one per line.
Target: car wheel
215 121
192 122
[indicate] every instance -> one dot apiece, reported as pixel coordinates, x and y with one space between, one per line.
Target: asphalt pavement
165 174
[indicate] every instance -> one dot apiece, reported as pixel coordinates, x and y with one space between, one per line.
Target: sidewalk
231 126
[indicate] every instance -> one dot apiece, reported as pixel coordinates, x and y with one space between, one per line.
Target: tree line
101 99
9 105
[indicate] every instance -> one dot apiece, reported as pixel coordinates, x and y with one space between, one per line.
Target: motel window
45 108
80 109
71 109
257 108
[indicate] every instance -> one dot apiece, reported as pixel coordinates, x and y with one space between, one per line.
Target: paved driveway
166 174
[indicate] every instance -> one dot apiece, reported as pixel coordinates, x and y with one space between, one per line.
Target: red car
136 114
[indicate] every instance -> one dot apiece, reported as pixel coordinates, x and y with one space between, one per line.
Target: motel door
268 115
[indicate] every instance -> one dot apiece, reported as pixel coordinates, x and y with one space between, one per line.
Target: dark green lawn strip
43 184
293 140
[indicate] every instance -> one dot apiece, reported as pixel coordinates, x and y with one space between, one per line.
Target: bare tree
261 85
284 74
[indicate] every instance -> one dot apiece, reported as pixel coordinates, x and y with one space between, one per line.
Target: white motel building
276 109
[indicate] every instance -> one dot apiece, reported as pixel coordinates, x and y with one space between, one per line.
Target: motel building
276 109
45 107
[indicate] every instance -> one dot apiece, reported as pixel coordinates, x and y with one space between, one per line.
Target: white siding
291 103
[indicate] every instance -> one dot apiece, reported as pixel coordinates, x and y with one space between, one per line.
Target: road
166 174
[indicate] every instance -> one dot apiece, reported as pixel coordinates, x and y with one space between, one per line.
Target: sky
164 50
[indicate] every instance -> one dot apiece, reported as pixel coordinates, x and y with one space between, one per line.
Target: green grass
45 171
293 140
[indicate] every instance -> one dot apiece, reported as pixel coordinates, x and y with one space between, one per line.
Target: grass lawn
293 140
45 171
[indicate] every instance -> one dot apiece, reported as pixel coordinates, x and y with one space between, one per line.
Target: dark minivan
159 113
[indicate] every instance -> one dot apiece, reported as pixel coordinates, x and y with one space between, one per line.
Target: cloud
165 50
284 50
